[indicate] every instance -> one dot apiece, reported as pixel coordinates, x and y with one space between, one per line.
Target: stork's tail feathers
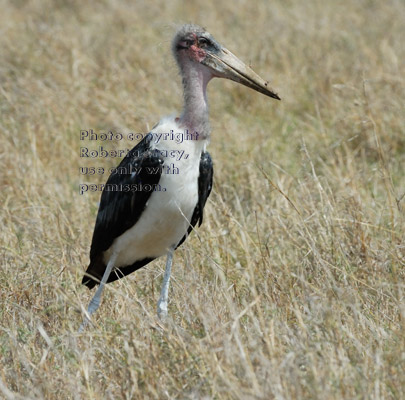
94 273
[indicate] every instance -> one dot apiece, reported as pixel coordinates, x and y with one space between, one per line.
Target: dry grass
294 286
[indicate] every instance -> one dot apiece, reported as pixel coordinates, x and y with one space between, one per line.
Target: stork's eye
204 42
184 44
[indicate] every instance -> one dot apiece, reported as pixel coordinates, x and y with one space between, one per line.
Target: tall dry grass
293 288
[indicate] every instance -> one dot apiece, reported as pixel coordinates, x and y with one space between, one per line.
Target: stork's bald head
194 47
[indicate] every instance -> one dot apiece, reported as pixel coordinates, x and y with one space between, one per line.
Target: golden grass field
293 288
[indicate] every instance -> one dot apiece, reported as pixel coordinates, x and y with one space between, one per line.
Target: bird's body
160 198
169 208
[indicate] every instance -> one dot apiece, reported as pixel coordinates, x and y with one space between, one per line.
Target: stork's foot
93 306
162 309
95 301
83 324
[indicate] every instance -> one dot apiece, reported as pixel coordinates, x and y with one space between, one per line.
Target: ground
293 288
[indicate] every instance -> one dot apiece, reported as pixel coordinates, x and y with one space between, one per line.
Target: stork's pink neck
195 112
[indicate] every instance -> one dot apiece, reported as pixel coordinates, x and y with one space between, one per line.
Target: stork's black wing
204 190
122 202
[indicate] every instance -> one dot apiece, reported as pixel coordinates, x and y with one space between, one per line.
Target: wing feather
204 189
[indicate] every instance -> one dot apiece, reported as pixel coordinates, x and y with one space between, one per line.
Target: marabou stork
134 226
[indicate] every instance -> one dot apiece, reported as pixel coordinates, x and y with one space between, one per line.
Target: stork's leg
95 301
164 294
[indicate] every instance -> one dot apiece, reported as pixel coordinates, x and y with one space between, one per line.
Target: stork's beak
227 65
